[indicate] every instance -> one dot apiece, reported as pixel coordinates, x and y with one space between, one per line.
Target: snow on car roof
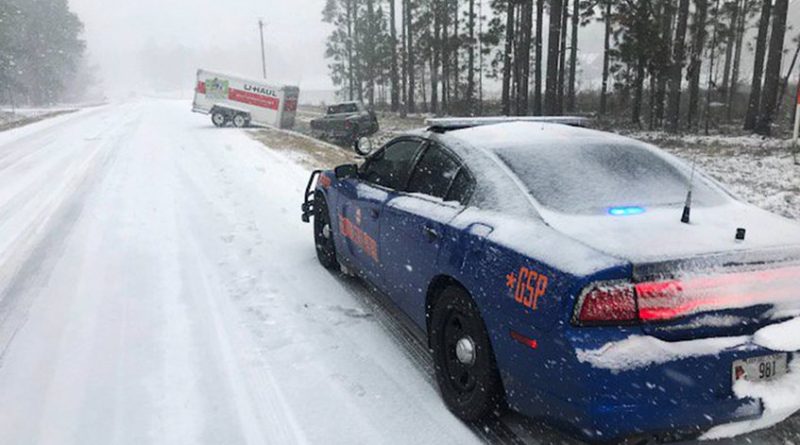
530 135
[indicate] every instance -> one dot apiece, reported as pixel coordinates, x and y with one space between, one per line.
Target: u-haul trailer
242 102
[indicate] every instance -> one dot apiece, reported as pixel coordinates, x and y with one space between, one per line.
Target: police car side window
389 167
461 188
434 173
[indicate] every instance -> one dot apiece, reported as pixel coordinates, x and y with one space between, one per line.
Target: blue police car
569 274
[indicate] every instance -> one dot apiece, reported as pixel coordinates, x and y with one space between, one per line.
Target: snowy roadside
21 117
759 171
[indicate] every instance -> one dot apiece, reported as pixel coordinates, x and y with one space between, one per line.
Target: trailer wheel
239 121
218 119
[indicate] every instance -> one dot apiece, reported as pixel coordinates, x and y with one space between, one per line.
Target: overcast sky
140 44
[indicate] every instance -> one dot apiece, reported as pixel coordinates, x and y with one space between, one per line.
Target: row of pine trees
666 64
40 50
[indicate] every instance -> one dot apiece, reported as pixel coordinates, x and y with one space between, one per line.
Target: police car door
360 213
413 227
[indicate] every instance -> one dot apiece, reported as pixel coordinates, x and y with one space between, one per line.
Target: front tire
323 234
465 367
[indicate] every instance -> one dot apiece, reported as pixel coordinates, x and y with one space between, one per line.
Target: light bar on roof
466 122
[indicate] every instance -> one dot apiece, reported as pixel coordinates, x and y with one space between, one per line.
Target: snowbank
781 399
638 351
780 337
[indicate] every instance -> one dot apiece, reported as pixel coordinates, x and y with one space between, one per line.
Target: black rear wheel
465 366
323 234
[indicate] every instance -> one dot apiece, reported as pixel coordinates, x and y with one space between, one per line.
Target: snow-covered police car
565 273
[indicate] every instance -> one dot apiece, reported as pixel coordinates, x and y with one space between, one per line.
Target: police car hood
658 235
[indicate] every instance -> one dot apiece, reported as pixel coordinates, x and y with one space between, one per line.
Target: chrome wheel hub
465 351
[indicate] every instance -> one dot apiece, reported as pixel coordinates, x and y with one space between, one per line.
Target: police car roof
531 136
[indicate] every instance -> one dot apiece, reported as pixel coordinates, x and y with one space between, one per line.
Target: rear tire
464 362
218 119
239 121
352 138
323 234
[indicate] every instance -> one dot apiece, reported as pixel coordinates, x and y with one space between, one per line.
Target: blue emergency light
625 211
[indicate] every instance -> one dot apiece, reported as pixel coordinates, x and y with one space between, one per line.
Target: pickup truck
346 121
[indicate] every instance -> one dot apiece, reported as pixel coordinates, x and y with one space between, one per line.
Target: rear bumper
672 400
680 420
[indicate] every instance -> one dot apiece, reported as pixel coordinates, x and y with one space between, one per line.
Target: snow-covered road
157 286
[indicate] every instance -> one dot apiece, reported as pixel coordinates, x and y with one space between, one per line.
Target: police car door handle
430 233
374 213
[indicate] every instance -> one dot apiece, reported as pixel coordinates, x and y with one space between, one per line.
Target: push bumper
307 207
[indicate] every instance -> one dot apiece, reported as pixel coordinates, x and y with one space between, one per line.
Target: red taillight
618 303
608 304
664 300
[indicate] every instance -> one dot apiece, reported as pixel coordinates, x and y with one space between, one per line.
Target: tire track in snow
37 248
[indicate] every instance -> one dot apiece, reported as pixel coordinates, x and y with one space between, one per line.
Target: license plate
760 369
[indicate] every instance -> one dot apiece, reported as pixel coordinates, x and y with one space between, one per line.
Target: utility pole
263 58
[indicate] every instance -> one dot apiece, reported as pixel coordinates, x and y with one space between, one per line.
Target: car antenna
687 206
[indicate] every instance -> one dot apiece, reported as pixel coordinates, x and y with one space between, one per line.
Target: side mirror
346 171
363 146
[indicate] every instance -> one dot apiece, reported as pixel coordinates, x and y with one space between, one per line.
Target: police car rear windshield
593 176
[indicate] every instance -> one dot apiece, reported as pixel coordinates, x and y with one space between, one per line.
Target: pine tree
695 60
471 43
395 92
553 43
409 24
40 50
678 56
754 103
537 70
772 73
507 58
573 56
